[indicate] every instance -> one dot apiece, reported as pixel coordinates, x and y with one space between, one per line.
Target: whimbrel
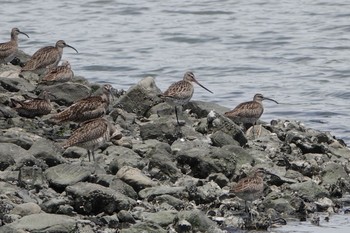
93 134
9 49
32 107
86 109
250 188
62 73
248 112
181 92
46 58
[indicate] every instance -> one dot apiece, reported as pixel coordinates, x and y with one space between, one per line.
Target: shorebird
250 188
180 93
62 73
93 134
248 112
32 107
9 49
86 109
46 58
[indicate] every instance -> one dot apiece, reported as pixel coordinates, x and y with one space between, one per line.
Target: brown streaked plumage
93 134
62 73
248 112
46 58
32 107
181 92
87 108
250 188
9 49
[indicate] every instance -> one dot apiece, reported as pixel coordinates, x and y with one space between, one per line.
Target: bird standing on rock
46 58
248 112
181 92
62 73
8 49
93 134
86 109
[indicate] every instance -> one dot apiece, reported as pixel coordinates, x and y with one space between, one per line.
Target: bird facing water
93 134
181 92
46 58
9 49
62 73
32 107
86 109
248 112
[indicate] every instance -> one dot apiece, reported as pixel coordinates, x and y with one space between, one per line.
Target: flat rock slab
64 175
135 178
95 198
161 190
42 223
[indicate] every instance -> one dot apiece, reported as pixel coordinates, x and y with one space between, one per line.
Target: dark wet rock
202 109
125 216
94 198
135 178
7 112
220 139
16 84
53 205
49 223
219 178
140 97
63 175
9 151
162 190
205 162
67 93
219 122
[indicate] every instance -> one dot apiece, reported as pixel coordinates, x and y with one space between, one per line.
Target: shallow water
293 51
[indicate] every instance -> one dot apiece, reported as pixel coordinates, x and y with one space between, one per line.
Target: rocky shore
160 177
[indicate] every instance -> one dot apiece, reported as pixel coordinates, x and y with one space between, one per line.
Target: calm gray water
296 52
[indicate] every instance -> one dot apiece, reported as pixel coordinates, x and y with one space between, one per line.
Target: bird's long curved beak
71 47
203 86
23 33
265 98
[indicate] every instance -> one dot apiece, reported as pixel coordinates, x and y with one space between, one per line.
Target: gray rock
332 172
52 205
47 151
198 220
43 223
309 190
177 203
161 190
93 198
219 178
124 188
67 93
26 209
218 122
135 178
162 218
64 175
144 227
202 109
31 177
125 216
20 137
16 84
120 156
140 97
207 193
280 204
8 152
112 221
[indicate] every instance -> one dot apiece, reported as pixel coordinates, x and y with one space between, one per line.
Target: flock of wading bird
94 129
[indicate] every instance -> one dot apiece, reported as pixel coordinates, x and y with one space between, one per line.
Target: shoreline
159 177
